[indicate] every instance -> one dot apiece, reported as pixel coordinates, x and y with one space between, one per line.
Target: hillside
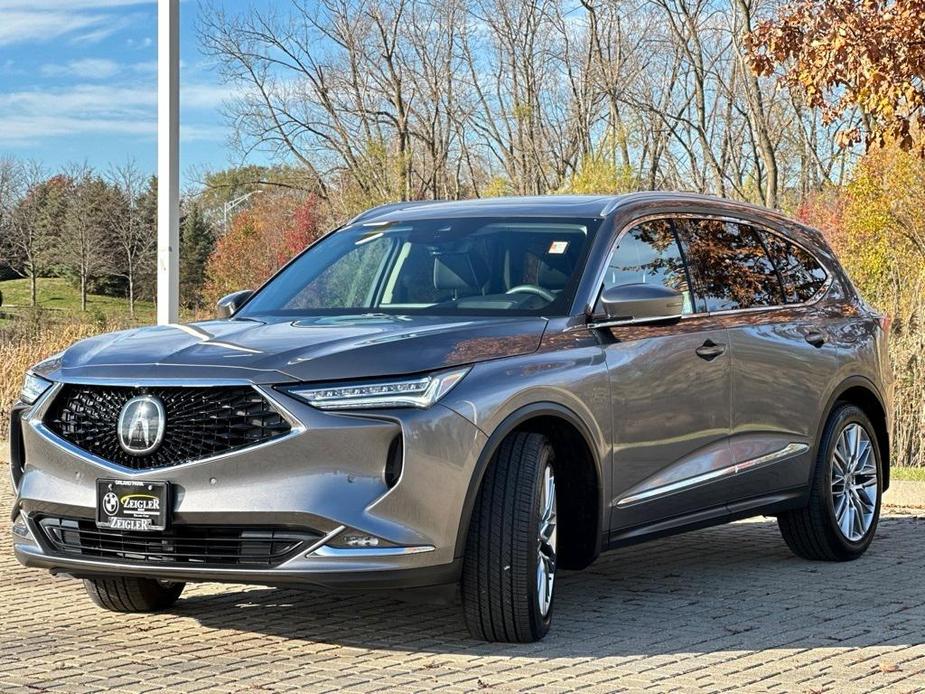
59 298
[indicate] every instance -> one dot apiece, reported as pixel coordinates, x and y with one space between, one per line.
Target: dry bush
28 341
907 351
876 225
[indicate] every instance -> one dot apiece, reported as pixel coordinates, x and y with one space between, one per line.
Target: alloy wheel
546 542
854 482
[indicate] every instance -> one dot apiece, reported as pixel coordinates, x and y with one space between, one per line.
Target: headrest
459 271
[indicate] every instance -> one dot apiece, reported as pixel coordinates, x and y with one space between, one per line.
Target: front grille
186 545
201 422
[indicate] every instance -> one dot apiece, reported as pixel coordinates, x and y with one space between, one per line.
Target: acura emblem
141 425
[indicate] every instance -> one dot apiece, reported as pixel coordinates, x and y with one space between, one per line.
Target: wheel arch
861 392
566 432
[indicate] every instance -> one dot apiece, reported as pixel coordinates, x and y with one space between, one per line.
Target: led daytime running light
416 392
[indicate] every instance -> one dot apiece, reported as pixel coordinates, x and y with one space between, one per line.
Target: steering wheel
532 289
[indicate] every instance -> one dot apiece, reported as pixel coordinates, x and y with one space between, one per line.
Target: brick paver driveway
726 608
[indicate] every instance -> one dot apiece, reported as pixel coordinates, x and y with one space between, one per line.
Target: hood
312 349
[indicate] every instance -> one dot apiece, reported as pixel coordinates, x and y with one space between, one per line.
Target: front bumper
327 475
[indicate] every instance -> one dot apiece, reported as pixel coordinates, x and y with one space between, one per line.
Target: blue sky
78 83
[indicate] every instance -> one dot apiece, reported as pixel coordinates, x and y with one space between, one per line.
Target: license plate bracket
133 505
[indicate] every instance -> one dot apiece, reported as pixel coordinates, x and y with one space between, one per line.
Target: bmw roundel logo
110 503
141 425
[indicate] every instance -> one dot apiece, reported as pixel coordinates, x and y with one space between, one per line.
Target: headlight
412 392
32 388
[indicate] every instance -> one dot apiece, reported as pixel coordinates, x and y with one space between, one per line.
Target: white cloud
192 132
36 115
83 98
88 21
97 68
113 26
51 5
22 27
203 96
32 116
34 129
87 68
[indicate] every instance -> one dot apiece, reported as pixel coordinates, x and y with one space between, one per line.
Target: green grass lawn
914 474
60 298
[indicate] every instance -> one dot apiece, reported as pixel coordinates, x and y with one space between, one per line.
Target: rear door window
730 265
800 273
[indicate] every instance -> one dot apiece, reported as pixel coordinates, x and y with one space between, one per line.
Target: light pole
231 204
168 157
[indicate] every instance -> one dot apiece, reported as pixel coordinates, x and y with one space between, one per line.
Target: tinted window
730 265
649 254
801 274
438 266
344 284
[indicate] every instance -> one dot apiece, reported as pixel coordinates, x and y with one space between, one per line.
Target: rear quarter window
800 272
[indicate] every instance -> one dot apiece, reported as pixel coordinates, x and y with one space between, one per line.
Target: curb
905 493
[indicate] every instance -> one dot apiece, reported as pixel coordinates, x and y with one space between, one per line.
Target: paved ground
720 609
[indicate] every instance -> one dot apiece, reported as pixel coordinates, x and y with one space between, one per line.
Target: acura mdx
467 397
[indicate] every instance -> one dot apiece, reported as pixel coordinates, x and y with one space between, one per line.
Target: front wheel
509 568
839 522
129 594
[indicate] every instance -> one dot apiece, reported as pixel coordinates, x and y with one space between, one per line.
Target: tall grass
30 339
907 353
27 341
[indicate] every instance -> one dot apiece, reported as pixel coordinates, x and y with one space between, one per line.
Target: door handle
709 350
815 338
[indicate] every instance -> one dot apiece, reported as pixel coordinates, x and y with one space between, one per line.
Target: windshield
437 266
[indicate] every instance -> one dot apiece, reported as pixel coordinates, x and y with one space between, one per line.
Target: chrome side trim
654 216
325 551
631 321
327 538
788 451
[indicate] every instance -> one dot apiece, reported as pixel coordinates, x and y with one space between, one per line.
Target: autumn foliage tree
845 54
259 241
876 224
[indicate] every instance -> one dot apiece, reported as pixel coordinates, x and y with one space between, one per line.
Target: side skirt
767 505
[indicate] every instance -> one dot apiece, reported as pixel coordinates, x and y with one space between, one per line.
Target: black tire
812 532
499 581
125 594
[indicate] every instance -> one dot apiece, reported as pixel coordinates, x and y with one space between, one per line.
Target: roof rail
611 205
389 207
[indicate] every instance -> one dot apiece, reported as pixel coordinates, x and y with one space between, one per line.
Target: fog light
20 529
360 541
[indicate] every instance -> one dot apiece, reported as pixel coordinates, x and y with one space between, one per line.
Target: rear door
762 287
671 391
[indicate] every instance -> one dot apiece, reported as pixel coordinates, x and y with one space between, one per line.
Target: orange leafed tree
841 54
260 241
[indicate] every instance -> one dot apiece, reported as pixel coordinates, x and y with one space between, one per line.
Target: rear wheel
509 569
839 522
129 594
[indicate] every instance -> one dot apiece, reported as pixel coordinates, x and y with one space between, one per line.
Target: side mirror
640 303
229 304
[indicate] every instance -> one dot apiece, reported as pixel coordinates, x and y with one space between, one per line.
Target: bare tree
34 211
389 99
131 226
82 247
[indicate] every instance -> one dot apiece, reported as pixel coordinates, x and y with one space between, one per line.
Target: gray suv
467 394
